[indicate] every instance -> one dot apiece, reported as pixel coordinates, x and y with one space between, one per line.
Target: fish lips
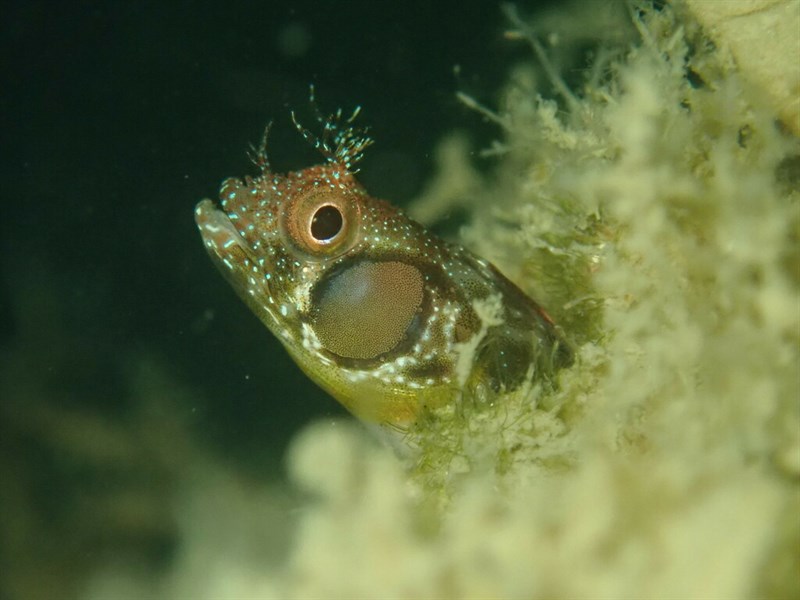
224 240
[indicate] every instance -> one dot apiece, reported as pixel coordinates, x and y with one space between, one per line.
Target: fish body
382 314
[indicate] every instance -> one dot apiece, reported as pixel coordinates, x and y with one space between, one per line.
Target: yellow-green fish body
386 317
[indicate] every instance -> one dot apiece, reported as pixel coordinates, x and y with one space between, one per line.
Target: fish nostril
326 223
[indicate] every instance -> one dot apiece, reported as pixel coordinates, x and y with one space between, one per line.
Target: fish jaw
246 272
222 241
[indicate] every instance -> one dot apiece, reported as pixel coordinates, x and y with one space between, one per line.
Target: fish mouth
222 239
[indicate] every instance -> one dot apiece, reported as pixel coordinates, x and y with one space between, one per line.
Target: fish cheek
365 310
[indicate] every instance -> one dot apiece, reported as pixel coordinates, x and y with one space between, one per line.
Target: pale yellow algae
743 27
654 211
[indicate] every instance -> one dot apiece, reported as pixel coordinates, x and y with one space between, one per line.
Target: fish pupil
326 223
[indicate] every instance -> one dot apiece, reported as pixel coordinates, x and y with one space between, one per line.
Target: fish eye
326 223
322 224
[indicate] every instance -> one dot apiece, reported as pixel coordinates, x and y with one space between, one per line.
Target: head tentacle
339 141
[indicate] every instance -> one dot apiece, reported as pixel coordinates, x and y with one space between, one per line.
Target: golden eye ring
322 224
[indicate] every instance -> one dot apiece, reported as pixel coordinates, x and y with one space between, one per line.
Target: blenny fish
386 317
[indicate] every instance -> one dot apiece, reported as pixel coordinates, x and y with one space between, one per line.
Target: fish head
335 274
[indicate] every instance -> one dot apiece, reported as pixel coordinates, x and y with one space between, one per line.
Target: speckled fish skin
373 307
